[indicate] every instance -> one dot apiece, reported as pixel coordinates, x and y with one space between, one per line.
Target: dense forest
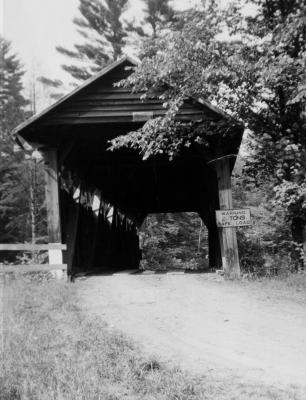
252 66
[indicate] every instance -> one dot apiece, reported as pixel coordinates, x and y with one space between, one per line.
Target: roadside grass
291 287
53 350
293 281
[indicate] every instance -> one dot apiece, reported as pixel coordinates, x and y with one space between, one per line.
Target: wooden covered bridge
97 199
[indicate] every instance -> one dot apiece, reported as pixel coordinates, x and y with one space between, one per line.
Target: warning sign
232 218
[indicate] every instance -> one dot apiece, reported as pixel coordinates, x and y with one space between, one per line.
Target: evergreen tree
157 13
12 105
54 87
106 33
12 102
17 192
101 26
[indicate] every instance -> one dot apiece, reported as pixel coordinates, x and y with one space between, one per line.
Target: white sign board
232 218
142 115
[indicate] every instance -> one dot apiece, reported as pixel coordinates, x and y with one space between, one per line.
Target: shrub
251 253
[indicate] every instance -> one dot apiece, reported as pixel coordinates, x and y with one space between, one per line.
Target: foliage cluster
265 248
174 241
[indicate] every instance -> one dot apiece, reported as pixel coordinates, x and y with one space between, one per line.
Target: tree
101 26
278 139
106 33
157 13
12 112
175 240
53 86
184 61
12 102
16 190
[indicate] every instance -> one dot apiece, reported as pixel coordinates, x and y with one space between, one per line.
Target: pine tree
105 33
12 105
157 13
15 170
101 26
12 102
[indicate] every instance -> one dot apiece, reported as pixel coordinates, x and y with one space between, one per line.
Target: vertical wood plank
228 237
52 203
72 231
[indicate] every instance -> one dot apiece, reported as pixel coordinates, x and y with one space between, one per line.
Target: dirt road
205 325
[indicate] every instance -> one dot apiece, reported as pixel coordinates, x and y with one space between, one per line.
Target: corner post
53 203
227 236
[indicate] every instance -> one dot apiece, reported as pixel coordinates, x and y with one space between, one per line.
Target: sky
36 27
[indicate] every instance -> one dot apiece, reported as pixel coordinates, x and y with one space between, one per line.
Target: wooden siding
101 102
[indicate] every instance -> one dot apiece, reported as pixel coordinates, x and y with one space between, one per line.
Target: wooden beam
228 238
71 236
32 247
52 195
53 203
32 268
65 152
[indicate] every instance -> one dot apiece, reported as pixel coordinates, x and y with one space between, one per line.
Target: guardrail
29 247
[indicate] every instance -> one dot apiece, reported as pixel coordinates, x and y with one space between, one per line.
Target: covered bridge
97 199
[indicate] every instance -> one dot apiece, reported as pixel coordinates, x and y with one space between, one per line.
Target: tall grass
52 350
289 287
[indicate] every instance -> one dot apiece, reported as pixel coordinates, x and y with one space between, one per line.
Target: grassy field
52 350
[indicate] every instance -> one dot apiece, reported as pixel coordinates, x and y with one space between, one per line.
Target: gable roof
96 106
63 99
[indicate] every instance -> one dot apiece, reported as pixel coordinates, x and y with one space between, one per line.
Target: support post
227 236
71 236
52 203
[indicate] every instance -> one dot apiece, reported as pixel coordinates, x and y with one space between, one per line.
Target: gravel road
205 325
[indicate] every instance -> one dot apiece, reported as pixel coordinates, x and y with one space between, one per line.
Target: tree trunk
33 206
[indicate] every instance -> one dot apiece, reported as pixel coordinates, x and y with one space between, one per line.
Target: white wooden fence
54 251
